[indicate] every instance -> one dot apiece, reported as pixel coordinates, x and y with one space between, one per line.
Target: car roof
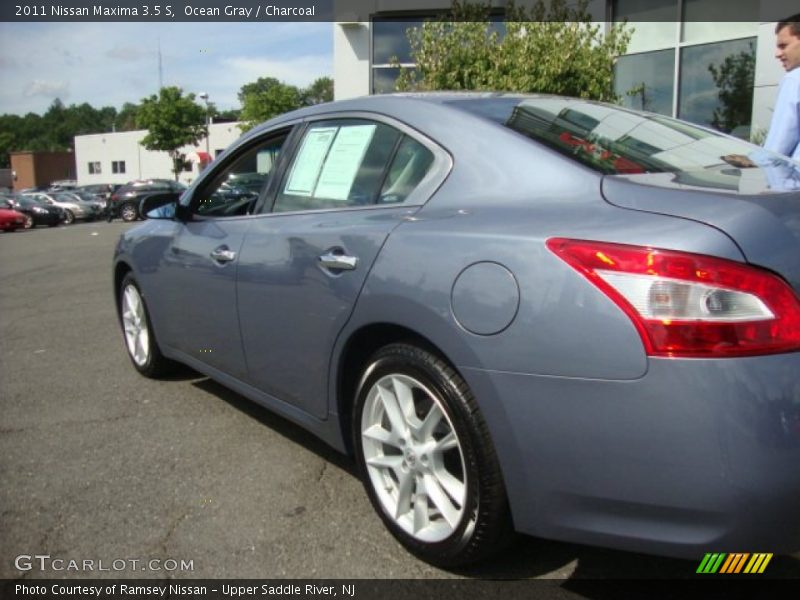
396 104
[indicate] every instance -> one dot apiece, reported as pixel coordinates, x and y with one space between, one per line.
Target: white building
120 157
674 43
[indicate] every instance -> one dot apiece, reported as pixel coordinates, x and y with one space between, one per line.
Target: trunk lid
757 207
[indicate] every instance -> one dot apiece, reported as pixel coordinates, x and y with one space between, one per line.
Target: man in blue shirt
784 130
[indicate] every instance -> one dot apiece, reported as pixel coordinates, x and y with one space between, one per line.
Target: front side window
94 168
341 164
118 166
234 190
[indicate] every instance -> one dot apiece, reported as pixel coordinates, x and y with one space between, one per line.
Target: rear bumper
694 457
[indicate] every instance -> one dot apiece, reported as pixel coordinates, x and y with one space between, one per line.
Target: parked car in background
73 209
10 219
88 199
62 185
125 200
545 313
102 191
36 213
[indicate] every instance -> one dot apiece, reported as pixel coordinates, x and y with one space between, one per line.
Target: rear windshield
618 141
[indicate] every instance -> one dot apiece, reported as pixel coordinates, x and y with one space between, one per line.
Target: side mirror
159 206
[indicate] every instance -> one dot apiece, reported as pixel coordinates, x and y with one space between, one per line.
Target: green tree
232 114
266 98
7 142
57 127
318 92
734 79
172 120
126 117
551 49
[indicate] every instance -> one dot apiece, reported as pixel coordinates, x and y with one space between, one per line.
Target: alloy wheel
134 323
413 458
128 213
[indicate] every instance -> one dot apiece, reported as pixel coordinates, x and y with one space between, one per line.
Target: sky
108 64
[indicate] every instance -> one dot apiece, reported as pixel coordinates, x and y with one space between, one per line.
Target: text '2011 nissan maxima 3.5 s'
519 313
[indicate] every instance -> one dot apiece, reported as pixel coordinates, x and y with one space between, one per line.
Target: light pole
204 97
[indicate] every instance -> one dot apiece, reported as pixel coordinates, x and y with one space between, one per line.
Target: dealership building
673 45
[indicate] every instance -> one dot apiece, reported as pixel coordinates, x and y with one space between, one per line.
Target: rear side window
411 163
338 164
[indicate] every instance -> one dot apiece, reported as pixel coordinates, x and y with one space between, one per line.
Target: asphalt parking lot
100 464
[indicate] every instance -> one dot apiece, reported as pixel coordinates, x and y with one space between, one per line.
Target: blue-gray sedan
518 313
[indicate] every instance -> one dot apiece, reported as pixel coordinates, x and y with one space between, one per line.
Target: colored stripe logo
737 562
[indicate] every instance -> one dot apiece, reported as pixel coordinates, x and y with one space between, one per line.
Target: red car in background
11 220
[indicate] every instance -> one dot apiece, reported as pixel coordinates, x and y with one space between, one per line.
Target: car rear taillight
690 305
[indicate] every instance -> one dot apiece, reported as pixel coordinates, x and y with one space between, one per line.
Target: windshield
63 197
78 197
618 141
28 201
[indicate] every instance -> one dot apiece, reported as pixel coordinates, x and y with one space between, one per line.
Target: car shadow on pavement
527 557
278 424
182 372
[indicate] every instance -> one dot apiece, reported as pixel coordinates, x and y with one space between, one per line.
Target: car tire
128 212
426 458
69 217
28 224
137 330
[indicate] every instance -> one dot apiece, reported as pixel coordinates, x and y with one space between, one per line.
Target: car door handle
223 254
339 262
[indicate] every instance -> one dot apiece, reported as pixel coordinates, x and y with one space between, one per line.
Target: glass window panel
383 80
716 86
654 22
389 39
649 79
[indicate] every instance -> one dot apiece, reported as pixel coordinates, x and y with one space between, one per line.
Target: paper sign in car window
305 170
343 161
